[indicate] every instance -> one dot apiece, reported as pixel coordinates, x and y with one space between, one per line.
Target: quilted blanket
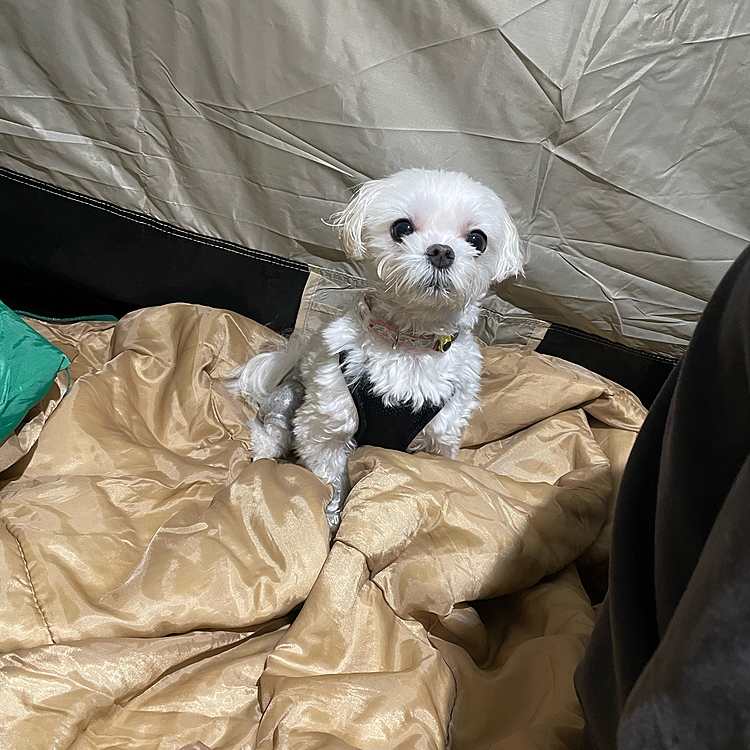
160 590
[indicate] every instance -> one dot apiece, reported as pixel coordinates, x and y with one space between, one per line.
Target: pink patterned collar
398 338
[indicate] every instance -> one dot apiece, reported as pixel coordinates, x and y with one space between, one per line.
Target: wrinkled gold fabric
158 589
21 441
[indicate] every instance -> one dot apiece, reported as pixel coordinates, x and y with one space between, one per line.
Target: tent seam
31 583
327 272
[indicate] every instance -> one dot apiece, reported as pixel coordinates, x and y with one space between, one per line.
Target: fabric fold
159 589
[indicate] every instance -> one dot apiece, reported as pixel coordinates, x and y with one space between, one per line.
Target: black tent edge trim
150 221
600 340
67 255
640 371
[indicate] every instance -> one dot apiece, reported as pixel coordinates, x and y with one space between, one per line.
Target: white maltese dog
401 369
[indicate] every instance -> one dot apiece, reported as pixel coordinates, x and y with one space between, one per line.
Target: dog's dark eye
478 239
401 228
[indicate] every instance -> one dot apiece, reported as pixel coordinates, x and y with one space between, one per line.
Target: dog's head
431 238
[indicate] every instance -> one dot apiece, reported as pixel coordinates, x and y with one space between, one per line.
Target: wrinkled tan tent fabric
616 130
152 576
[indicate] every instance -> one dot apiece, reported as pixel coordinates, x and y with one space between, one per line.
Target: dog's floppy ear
350 223
511 256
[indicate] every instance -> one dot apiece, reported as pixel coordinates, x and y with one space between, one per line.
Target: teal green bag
28 365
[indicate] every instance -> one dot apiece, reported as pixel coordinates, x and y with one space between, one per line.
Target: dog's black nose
441 256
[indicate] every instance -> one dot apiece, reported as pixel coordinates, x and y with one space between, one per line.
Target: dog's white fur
408 292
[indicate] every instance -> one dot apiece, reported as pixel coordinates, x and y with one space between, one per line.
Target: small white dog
401 369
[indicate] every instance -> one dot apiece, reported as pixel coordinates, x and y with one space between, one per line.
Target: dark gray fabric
668 665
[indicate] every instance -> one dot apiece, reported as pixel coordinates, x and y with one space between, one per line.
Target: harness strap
385 426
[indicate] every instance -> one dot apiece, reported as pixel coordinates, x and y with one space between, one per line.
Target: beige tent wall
617 131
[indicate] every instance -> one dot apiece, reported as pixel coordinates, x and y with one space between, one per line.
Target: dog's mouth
439 284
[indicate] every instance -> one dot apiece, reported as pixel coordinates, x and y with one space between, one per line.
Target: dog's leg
271 430
442 436
324 429
329 462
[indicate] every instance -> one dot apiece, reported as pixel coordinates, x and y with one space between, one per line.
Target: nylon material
24 627
676 26
639 99
73 57
119 524
560 386
24 437
412 583
357 39
77 169
548 613
501 323
646 224
631 224
628 150
263 205
498 331
642 311
368 100
30 131
85 343
570 253
560 52
616 444
141 514
136 675
255 132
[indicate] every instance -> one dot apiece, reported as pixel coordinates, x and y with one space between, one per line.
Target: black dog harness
385 426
